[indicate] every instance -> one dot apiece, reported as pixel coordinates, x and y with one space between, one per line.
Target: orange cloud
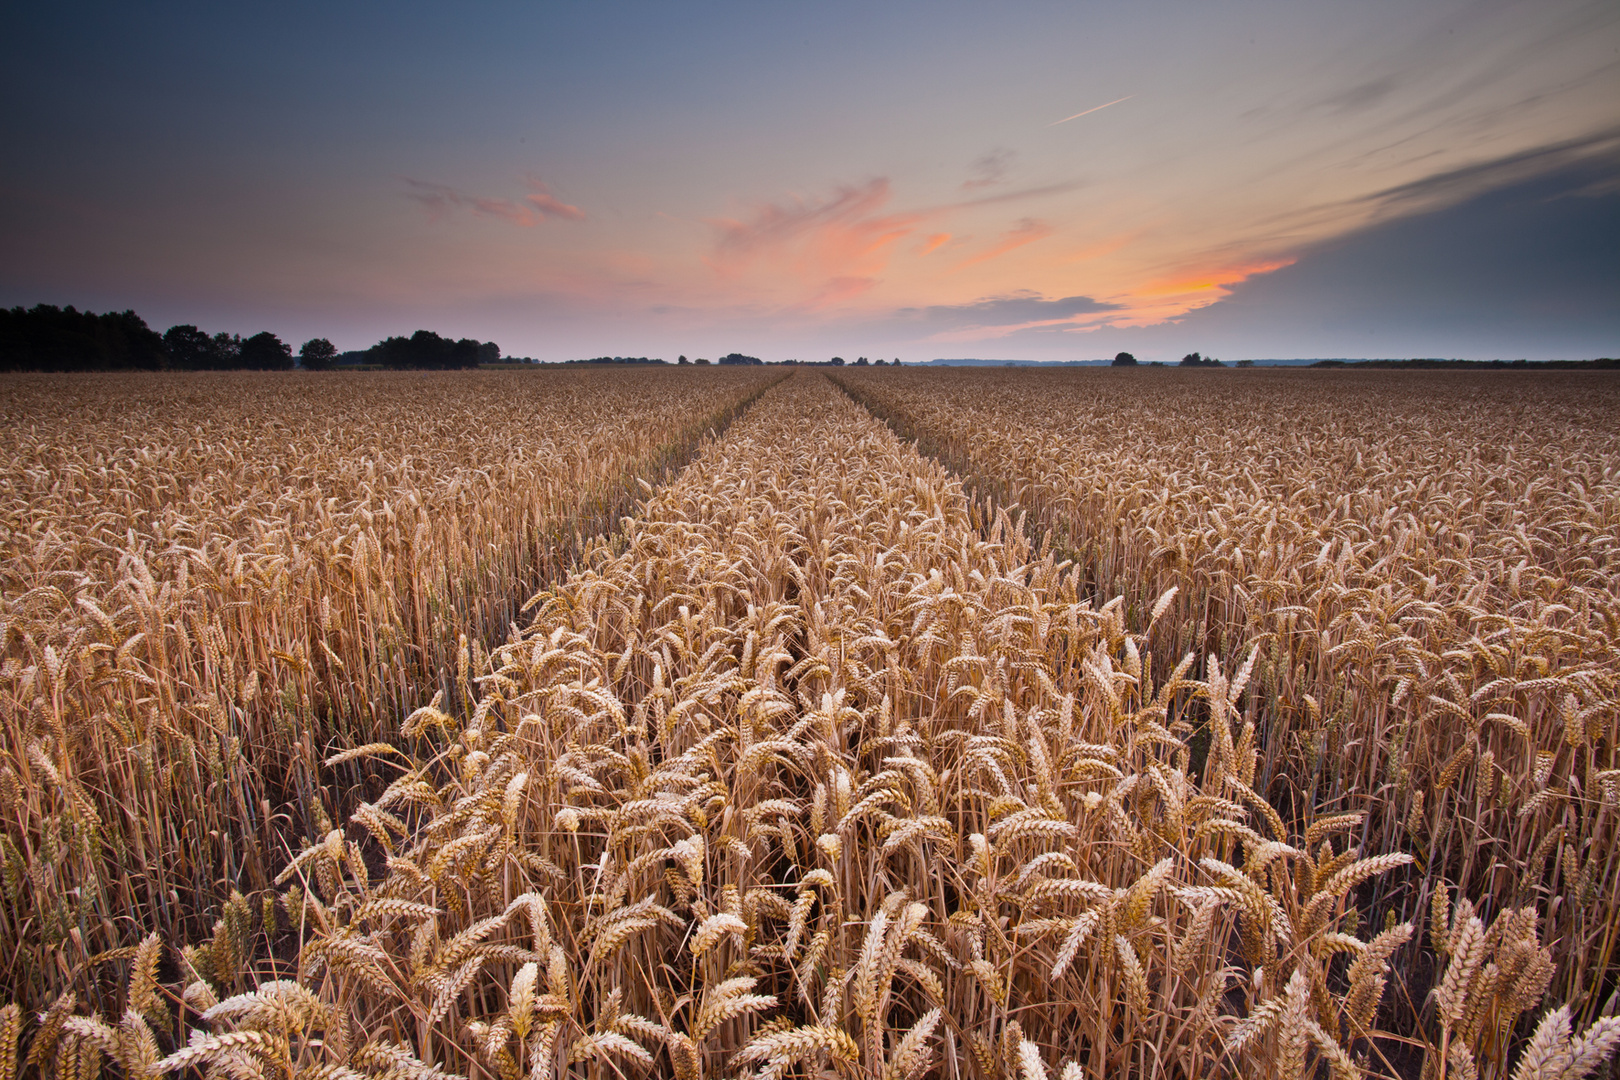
1167 298
934 243
441 200
1210 283
834 248
1028 231
1157 301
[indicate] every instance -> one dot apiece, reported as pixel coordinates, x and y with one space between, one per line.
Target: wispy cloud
1359 97
836 246
1455 185
1088 112
546 204
1028 231
1021 311
1019 195
441 201
1596 152
989 169
1017 308
833 248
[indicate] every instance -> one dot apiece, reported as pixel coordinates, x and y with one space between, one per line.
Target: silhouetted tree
424 350
739 358
1124 359
838 361
683 360
227 351
190 349
48 338
317 354
266 352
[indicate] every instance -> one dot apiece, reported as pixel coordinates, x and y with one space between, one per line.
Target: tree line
1192 359
49 338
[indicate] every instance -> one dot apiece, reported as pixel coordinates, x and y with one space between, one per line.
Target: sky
1041 181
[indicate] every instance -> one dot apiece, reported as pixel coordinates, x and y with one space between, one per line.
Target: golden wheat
206 580
1429 564
817 764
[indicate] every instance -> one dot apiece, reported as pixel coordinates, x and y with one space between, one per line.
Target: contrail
1088 112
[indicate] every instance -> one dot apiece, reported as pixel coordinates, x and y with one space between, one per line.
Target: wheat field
208 579
1115 762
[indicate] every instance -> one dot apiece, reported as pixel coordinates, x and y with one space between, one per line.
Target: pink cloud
1028 231
548 205
440 201
834 247
827 250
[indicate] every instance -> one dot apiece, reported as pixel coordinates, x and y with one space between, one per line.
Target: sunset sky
1037 181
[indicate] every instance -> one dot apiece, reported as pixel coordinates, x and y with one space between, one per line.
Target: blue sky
1247 179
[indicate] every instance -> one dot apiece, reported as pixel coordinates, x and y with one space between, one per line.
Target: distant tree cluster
1124 359
47 338
191 349
839 361
427 351
738 358
622 360
317 354
1192 359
